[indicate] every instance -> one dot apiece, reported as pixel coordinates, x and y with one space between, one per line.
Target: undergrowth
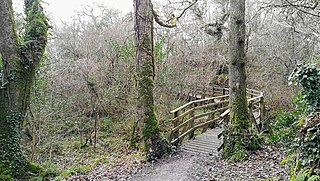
299 130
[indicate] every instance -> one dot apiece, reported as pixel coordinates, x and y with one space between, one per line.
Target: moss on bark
18 72
234 144
239 136
154 145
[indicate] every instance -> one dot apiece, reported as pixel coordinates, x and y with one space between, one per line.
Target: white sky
64 9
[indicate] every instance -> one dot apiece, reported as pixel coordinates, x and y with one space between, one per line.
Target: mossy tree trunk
20 58
154 145
237 137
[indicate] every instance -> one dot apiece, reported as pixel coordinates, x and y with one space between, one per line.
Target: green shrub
50 171
5 174
305 176
286 124
73 170
307 142
308 76
306 147
34 168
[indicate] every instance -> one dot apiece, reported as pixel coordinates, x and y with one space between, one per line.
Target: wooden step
201 144
202 147
197 153
210 153
205 141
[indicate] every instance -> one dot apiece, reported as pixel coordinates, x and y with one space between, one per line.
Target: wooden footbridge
198 125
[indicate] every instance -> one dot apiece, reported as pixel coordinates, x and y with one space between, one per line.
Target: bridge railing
204 112
257 110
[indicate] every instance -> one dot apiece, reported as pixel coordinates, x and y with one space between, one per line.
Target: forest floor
262 164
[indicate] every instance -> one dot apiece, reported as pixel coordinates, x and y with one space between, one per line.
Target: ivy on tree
20 59
307 142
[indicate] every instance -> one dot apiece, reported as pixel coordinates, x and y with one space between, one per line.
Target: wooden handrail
187 118
197 101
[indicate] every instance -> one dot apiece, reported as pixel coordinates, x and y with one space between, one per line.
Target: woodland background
83 104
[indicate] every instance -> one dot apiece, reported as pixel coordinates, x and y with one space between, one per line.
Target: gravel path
183 166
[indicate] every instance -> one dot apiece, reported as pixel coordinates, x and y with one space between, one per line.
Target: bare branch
295 29
298 7
187 9
307 7
172 22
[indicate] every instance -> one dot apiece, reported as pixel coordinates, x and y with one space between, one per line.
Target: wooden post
225 92
263 123
250 113
251 116
211 116
175 134
204 92
225 130
191 126
212 91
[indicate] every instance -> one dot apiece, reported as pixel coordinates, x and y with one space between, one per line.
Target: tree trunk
19 62
154 145
235 144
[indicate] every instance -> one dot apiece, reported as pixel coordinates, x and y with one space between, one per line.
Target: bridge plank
206 143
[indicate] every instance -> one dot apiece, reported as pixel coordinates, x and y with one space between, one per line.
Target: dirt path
262 164
175 168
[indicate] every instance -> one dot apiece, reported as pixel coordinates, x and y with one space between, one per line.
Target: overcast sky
64 9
